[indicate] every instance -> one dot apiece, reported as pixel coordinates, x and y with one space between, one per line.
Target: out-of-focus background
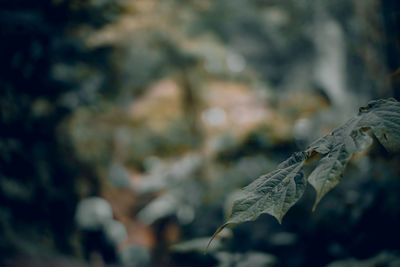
128 126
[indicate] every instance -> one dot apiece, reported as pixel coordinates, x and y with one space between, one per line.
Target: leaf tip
317 200
314 207
278 218
213 236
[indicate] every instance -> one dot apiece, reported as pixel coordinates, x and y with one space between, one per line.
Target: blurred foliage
127 128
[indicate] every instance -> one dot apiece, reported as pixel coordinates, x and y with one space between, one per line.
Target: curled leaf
383 117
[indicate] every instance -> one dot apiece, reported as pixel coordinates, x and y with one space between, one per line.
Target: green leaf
338 147
349 134
329 171
274 193
383 117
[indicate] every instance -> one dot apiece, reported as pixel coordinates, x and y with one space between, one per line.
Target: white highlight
214 116
236 62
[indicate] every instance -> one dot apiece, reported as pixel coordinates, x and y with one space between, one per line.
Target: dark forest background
127 127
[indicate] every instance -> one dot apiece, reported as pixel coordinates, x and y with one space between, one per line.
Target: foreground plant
276 192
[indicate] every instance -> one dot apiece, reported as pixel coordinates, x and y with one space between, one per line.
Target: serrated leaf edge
312 153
